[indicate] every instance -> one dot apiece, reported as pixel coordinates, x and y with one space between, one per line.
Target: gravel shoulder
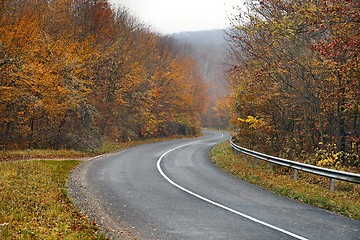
86 200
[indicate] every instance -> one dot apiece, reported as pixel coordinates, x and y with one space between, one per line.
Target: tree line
75 73
295 78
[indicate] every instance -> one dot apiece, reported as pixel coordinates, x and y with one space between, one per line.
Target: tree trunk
31 135
321 121
341 133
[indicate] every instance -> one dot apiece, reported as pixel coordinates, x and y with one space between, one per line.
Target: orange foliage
73 73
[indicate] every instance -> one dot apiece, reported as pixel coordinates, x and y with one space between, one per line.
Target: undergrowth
308 188
106 147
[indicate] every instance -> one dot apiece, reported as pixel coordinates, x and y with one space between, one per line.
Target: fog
168 17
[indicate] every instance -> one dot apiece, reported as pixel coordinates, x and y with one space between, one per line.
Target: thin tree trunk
341 133
31 135
321 122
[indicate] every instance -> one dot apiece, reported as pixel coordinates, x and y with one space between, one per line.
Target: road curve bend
171 190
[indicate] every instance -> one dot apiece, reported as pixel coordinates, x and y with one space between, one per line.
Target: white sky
171 16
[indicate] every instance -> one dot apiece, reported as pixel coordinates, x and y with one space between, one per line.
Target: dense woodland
296 80
76 73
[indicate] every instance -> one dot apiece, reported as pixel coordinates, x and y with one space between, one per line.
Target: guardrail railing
325 172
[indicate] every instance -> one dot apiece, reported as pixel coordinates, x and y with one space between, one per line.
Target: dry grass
34 202
33 194
12 155
107 147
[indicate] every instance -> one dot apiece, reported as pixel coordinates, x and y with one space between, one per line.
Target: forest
76 73
295 79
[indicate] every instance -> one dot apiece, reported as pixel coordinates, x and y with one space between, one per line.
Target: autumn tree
76 73
296 74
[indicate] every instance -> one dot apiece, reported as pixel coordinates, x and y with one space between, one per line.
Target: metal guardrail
325 172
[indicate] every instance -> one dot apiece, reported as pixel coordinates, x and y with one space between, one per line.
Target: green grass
309 189
34 202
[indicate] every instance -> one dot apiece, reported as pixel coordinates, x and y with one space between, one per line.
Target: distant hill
209 48
201 38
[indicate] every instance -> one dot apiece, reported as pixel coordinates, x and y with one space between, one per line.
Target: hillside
209 49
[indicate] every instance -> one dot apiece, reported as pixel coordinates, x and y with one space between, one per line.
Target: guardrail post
332 185
236 152
255 162
271 167
296 174
245 158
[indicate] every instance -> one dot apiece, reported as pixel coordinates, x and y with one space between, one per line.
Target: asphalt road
171 190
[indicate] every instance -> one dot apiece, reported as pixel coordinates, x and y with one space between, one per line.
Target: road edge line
213 202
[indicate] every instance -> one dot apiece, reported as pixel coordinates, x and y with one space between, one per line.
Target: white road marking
215 203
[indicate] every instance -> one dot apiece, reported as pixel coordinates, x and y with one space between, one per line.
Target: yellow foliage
296 65
253 122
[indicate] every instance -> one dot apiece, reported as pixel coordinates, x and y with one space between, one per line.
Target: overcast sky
171 16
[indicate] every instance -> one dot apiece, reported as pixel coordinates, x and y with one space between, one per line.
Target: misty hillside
209 48
201 38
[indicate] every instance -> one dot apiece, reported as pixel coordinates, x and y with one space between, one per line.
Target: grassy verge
33 194
309 189
107 147
12 155
34 202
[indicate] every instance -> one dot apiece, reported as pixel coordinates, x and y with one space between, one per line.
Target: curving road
171 190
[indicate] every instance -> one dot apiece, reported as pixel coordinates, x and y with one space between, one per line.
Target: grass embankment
309 189
107 147
33 194
34 202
